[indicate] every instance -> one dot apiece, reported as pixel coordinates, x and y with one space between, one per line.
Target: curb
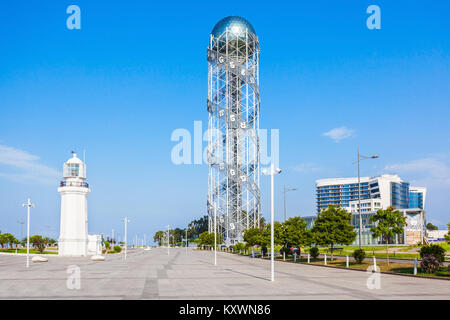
351 269
383 272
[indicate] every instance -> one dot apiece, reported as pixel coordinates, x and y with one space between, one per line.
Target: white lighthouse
73 236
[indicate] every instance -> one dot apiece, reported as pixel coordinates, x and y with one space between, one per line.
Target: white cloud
22 166
338 134
428 171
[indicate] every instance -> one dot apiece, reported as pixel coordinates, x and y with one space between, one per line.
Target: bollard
308 257
346 262
284 256
325 260
295 256
374 263
253 253
415 266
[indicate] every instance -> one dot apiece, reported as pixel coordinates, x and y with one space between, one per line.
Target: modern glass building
417 197
389 189
414 229
377 193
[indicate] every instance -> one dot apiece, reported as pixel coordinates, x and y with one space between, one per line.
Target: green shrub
314 251
264 249
359 255
430 264
434 250
285 250
117 249
239 246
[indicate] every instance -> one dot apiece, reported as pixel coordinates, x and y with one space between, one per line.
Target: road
180 275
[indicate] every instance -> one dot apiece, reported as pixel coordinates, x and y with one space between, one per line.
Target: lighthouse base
72 247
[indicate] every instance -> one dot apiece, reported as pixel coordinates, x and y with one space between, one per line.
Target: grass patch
33 251
394 267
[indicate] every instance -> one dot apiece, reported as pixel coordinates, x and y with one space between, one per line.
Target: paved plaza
156 275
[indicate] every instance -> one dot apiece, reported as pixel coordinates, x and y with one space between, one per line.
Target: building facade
376 193
387 189
414 229
417 196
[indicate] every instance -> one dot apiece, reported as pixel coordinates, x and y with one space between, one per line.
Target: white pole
374 263
168 239
215 235
28 205
125 242
325 260
308 257
272 209
112 237
415 266
346 262
186 242
28 232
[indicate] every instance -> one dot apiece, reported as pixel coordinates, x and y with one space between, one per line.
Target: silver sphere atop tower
236 33
236 24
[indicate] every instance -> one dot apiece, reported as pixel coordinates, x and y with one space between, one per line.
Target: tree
3 240
11 240
294 233
52 242
196 227
38 243
333 226
159 235
431 226
177 234
447 236
389 222
253 236
8 239
207 239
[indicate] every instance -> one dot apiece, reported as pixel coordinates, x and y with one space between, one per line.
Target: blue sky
137 70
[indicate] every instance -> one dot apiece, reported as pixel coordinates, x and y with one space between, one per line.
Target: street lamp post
168 239
125 220
215 234
28 205
272 174
361 157
284 194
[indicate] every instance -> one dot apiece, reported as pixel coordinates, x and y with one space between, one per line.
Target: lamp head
375 157
278 170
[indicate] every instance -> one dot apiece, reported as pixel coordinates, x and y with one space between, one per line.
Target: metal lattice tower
233 142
